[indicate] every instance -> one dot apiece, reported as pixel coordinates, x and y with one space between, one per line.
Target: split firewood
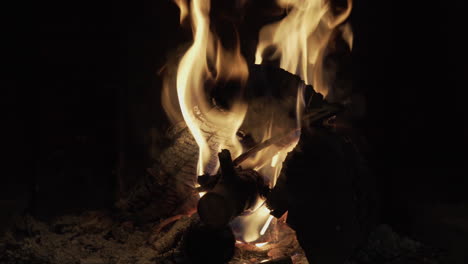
270 92
172 180
329 179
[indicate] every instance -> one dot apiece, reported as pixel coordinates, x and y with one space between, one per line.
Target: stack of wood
326 175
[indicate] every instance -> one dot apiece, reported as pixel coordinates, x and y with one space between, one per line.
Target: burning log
329 179
173 177
236 191
170 179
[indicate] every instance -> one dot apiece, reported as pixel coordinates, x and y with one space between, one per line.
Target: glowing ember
274 160
267 224
259 245
201 194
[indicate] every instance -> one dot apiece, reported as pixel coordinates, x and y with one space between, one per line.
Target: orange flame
300 39
201 117
302 36
182 4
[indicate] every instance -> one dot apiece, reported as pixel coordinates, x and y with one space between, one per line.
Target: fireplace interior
240 132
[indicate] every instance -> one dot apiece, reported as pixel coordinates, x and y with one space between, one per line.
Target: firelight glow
192 74
300 38
274 160
266 225
259 245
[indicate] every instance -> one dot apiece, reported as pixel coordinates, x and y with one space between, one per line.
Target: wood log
270 91
236 191
171 179
330 181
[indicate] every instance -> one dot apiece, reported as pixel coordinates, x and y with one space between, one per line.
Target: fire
201 117
260 245
300 40
183 9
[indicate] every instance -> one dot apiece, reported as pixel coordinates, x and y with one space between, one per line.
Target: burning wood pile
261 167
240 120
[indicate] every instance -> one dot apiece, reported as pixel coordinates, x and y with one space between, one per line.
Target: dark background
79 113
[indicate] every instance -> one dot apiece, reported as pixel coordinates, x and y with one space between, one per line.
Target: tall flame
302 36
300 40
193 73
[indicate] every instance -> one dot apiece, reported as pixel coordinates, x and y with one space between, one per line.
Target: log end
215 210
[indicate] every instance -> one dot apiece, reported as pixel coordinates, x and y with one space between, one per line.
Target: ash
97 238
91 238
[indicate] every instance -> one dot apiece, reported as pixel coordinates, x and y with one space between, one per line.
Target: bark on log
168 186
329 180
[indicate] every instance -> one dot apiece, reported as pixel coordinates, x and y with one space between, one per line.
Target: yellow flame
274 160
182 4
201 118
300 39
302 36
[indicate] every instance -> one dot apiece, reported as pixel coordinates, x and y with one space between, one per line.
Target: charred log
329 179
171 179
270 91
236 191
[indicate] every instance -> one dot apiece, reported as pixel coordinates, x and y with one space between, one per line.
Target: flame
182 4
195 69
253 224
301 38
266 225
274 160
